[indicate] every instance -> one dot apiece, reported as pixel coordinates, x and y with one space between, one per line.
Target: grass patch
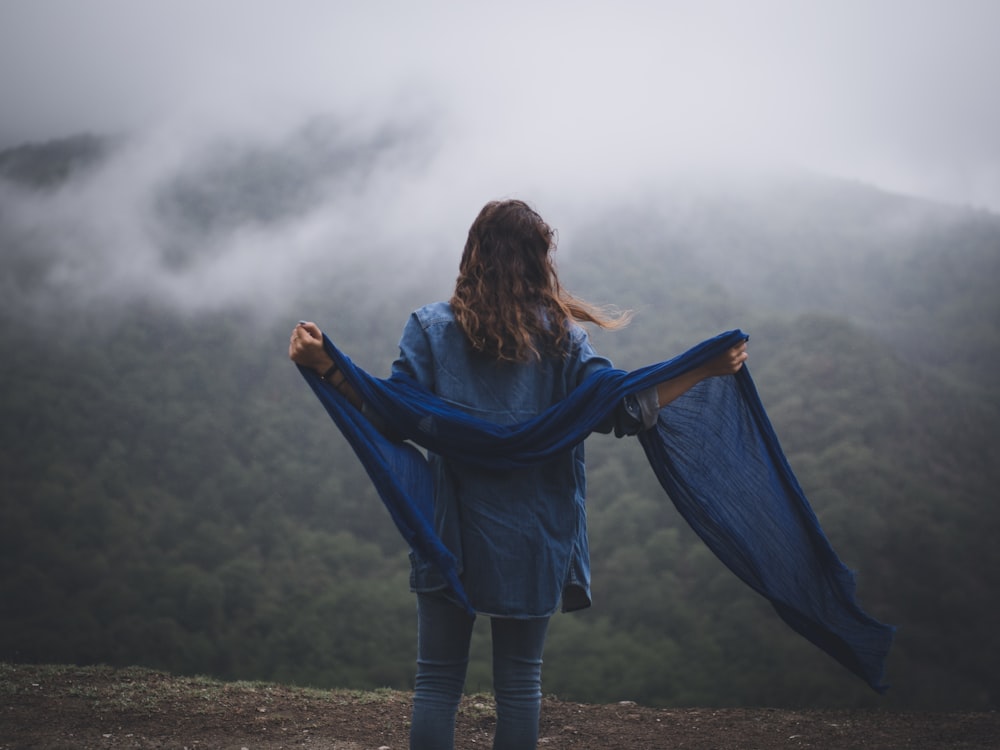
148 691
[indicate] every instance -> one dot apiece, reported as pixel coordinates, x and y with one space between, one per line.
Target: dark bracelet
328 375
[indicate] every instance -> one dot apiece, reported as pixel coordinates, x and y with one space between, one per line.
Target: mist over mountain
230 219
172 496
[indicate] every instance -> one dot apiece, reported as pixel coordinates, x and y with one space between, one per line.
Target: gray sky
900 93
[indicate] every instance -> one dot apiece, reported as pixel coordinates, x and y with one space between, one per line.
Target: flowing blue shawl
713 450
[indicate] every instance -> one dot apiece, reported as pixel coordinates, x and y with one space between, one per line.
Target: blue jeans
444 631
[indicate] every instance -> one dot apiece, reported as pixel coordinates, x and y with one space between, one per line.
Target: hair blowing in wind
508 299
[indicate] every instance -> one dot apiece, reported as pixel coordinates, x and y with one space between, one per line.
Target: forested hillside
172 496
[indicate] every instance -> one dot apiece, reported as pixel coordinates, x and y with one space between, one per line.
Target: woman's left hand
306 348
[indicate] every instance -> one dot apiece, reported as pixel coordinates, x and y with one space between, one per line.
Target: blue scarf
713 450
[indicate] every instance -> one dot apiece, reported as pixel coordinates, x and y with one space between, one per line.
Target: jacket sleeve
415 357
634 413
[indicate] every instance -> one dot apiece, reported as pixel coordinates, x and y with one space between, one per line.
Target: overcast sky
899 93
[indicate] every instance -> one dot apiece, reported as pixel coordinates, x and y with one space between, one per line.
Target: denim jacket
520 536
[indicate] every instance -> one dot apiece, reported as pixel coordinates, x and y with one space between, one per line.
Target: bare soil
98 707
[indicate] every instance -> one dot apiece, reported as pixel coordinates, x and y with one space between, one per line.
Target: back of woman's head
507 298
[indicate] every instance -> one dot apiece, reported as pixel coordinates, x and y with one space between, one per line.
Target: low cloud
542 95
234 116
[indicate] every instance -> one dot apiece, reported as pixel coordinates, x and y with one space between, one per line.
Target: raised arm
305 348
727 363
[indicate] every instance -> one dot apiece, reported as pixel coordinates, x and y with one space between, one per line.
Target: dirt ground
97 707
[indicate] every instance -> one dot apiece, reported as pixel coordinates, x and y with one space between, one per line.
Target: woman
507 346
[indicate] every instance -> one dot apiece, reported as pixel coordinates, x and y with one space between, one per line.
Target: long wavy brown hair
507 298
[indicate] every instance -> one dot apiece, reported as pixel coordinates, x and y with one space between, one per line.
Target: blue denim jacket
520 537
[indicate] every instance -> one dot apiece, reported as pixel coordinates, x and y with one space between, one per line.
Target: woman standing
507 346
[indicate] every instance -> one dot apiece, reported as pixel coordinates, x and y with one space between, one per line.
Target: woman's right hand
727 363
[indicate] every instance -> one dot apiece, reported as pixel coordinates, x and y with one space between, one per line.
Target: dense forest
172 496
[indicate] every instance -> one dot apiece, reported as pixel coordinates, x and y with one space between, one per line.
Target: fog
567 105
278 157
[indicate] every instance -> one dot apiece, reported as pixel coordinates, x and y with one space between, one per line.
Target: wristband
326 375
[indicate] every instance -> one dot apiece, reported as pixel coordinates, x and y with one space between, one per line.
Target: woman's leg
517 680
443 634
